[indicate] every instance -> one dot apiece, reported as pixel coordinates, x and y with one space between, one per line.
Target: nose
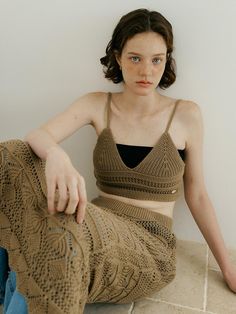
145 69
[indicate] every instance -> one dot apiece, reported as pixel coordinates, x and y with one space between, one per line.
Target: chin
144 92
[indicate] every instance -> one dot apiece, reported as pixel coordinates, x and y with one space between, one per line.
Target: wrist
51 149
55 149
226 269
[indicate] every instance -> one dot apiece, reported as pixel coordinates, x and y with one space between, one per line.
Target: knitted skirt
119 254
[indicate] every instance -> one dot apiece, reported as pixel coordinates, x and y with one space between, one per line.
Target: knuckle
70 210
81 178
74 200
60 206
63 196
69 178
63 199
60 209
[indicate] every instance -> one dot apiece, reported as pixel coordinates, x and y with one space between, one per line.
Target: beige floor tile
155 307
105 308
220 299
188 286
212 264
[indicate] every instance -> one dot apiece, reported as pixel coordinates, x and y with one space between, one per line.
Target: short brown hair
135 22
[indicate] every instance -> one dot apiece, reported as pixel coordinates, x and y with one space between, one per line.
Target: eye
134 59
157 60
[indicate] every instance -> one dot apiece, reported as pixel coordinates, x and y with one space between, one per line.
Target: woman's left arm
196 195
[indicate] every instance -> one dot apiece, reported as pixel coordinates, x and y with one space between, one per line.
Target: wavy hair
135 22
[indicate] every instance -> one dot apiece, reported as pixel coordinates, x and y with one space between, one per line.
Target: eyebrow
138 54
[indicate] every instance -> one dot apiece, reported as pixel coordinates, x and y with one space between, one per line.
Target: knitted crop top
157 177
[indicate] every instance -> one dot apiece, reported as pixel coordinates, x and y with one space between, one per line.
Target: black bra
132 155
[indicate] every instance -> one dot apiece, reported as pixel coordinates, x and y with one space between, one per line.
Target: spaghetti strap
108 103
172 115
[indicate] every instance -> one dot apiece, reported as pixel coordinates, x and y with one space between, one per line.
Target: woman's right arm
60 173
48 135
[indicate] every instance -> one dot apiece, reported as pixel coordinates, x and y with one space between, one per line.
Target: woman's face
143 58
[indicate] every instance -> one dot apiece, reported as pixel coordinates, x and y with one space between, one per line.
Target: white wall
50 54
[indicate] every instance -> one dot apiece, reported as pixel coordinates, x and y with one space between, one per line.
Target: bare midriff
164 208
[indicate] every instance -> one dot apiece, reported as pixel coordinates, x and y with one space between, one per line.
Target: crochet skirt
119 254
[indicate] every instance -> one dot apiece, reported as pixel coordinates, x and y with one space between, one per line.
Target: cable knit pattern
157 177
119 254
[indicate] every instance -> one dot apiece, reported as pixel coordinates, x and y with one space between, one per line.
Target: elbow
39 133
31 136
26 139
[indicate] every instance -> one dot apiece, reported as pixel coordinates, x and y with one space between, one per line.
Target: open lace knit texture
159 176
60 265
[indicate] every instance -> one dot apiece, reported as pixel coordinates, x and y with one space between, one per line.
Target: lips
144 82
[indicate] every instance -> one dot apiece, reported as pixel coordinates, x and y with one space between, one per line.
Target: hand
230 278
64 179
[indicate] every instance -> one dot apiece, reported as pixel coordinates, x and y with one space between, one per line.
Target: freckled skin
144 66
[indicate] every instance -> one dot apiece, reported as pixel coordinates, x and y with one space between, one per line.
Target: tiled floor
197 288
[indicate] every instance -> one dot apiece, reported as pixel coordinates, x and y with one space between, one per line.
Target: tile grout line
130 311
206 280
180 305
214 268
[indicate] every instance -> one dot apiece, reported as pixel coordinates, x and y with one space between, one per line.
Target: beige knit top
157 177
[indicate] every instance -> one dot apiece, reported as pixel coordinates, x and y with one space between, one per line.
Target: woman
119 247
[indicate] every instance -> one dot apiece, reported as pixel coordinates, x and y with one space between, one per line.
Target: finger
82 200
51 187
63 196
73 198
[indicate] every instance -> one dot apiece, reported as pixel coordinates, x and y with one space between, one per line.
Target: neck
139 104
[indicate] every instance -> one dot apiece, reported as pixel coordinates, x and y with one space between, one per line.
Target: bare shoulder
96 106
92 103
91 100
83 111
189 112
97 100
186 108
189 107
